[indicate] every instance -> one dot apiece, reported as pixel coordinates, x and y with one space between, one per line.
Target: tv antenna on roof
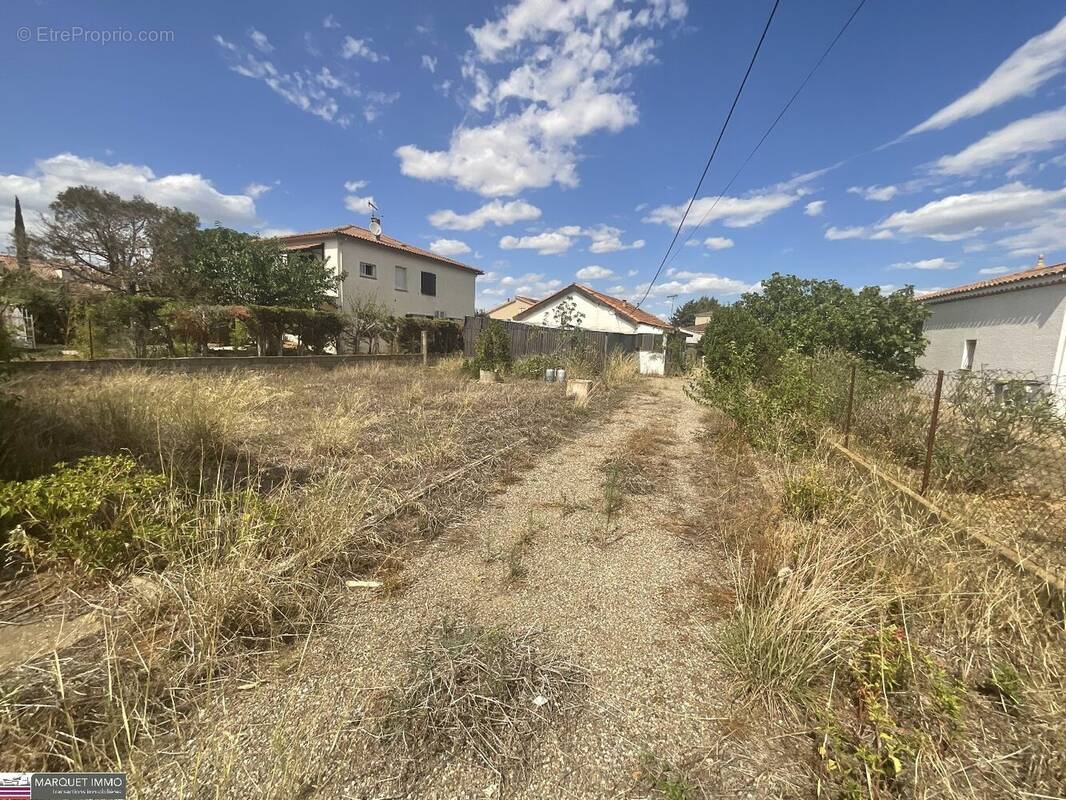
375 220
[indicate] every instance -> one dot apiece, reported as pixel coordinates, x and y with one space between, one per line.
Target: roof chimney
1039 262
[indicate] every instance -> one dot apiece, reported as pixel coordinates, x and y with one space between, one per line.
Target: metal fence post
931 436
89 321
851 401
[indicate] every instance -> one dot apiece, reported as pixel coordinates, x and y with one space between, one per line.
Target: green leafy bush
492 350
533 366
102 512
813 495
996 432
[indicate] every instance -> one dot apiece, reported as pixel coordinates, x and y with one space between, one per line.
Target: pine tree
22 241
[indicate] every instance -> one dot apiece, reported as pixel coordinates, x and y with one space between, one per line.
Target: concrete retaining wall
208 363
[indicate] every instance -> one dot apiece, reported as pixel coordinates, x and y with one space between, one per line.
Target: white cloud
879 193
318 93
270 233
495 212
964 215
606 239
355 186
1043 235
449 247
187 191
685 282
1025 70
994 270
833 233
632 273
926 263
553 72
430 63
360 48
594 272
359 205
330 22
256 190
546 244
260 40
734 212
814 208
718 242
531 284
1021 138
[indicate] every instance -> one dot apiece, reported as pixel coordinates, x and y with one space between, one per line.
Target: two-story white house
405 280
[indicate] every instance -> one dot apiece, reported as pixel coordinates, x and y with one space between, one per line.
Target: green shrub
812 496
492 351
533 366
100 513
995 433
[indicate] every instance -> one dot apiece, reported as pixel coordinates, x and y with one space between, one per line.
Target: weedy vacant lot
633 604
166 535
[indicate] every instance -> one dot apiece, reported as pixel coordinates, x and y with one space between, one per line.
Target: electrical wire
773 125
718 141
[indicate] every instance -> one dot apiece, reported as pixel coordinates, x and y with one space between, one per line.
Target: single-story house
693 333
601 312
511 307
1014 322
405 280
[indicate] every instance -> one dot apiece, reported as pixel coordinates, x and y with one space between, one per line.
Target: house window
368 270
401 279
429 284
968 350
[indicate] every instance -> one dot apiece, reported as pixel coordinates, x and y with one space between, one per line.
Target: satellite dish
375 227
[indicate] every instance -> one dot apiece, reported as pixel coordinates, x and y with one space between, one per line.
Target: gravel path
623 597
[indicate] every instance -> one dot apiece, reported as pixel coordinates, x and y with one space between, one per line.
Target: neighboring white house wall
597 317
454 291
1016 330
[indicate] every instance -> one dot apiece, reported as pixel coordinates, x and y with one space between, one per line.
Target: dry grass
894 637
799 612
284 483
476 693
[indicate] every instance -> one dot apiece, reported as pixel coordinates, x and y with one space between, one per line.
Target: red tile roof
1015 280
623 308
355 232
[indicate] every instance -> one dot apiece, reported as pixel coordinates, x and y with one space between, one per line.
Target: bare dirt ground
568 549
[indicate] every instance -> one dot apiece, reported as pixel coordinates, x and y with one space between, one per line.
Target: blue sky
547 141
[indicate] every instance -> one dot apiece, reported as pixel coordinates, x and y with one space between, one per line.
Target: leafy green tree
685 314
810 315
233 268
126 246
736 344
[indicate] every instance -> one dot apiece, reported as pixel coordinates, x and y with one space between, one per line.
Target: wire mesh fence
987 447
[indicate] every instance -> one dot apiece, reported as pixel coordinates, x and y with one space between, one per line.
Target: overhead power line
718 141
773 125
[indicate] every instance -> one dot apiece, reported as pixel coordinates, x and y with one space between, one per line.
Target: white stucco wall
597 317
455 287
1018 330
